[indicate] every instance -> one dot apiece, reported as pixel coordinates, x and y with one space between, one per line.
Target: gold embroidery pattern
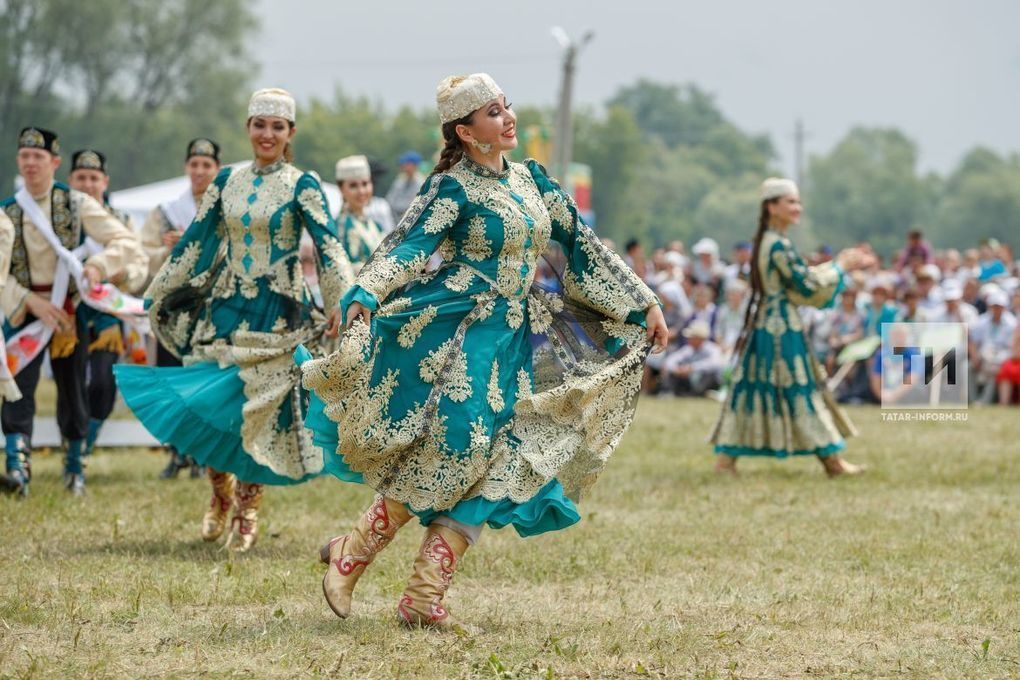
460 281
477 247
444 214
449 360
411 330
495 394
311 200
514 314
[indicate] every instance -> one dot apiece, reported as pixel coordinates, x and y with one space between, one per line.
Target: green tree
981 199
867 189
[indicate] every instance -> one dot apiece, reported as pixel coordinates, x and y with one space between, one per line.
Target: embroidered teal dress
360 237
778 403
475 393
232 302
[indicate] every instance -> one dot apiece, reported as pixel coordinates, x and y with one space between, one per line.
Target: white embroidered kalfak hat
457 96
272 101
775 187
353 167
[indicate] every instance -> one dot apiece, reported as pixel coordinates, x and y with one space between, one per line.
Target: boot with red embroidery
215 520
421 605
348 556
245 524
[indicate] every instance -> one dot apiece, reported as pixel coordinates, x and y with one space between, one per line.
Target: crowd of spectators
704 297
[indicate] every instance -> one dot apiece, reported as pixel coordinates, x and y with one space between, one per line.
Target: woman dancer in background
778 403
232 301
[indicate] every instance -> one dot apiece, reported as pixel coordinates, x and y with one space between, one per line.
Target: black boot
176 464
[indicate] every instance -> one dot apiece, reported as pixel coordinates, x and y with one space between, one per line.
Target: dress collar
483 171
268 169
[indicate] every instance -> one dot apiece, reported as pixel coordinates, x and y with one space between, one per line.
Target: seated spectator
818 327
910 309
879 310
972 295
956 310
990 265
707 268
704 308
930 295
729 319
696 367
1007 380
635 258
740 268
847 326
991 339
916 250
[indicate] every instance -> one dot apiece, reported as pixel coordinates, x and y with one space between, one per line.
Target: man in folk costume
104 333
49 221
162 230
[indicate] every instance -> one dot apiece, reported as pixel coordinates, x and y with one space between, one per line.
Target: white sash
181 211
30 341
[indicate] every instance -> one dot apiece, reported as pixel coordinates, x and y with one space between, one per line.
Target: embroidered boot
19 467
835 466
244 526
422 602
215 520
348 556
74 473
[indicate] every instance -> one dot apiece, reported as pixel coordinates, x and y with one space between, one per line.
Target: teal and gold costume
360 237
233 303
475 394
778 403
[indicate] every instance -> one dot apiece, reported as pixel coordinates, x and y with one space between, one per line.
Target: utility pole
563 144
798 152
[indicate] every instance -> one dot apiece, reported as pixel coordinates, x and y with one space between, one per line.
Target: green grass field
909 571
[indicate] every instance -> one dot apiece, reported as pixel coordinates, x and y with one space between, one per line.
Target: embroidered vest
66 226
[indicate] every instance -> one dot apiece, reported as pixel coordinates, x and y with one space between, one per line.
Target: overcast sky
946 72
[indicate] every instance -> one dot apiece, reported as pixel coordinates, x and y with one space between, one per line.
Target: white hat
353 167
775 187
877 282
930 271
997 297
457 96
272 101
697 329
952 290
706 246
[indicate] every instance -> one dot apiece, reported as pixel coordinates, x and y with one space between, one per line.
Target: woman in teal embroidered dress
778 403
232 301
360 234
468 395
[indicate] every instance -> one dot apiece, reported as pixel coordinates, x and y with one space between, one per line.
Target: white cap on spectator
736 284
930 271
706 246
997 297
952 290
882 282
697 329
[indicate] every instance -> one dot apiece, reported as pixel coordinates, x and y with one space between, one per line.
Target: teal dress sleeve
332 263
402 256
184 282
816 286
595 275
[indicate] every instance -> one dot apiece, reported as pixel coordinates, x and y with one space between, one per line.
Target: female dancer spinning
779 405
440 396
232 301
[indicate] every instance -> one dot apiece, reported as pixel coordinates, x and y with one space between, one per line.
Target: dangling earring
482 147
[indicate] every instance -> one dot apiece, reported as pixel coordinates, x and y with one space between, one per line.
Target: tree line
138 78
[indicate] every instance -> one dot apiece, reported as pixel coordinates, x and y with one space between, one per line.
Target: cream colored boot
349 555
422 602
215 520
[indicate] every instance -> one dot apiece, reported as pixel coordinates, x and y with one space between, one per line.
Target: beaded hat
457 96
88 159
203 147
272 101
38 138
353 167
776 187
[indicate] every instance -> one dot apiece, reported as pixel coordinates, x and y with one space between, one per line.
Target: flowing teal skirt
196 409
548 510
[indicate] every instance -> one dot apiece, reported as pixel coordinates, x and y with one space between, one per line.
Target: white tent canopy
139 201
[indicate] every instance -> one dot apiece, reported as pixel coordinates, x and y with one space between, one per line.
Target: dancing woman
233 303
778 403
359 233
441 397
